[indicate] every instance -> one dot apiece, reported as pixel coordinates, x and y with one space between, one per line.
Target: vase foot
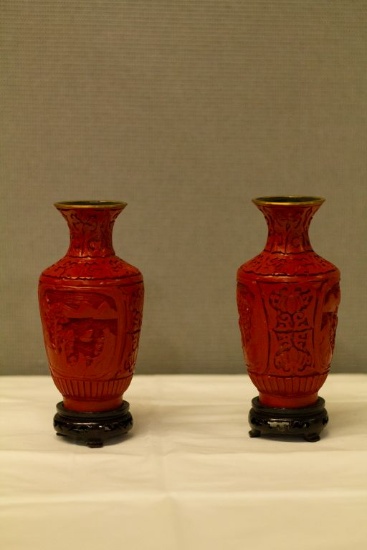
307 422
92 428
254 433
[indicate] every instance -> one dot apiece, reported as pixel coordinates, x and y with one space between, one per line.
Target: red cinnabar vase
91 306
288 298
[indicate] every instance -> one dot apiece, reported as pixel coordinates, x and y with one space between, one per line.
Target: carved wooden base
93 429
307 422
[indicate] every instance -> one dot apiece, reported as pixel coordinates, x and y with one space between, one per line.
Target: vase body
91 305
288 298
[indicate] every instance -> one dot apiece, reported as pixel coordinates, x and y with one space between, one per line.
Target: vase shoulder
303 264
106 268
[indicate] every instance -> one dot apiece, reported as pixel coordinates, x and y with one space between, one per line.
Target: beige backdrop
185 109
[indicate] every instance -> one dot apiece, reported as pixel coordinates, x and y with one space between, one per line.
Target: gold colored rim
110 205
289 200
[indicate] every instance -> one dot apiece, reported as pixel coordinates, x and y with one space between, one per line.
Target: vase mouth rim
289 200
108 205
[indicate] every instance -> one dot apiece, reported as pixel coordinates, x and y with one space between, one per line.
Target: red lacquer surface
288 298
91 305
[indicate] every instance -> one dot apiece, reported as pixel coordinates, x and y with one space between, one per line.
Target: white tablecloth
187 477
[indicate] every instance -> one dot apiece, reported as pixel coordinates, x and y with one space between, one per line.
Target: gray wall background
185 109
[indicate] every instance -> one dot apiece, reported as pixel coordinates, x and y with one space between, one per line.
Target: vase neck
288 227
90 231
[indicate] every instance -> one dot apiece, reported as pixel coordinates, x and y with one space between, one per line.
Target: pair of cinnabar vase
91 305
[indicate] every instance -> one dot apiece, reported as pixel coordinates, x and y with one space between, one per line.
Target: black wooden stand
93 428
307 422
